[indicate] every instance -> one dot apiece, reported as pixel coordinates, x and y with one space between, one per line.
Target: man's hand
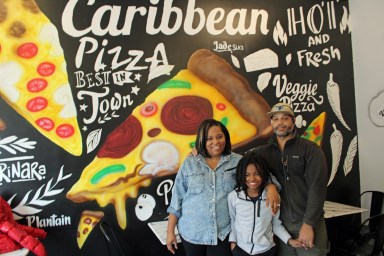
194 152
273 198
306 236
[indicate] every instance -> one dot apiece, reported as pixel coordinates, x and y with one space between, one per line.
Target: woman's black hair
202 134
250 159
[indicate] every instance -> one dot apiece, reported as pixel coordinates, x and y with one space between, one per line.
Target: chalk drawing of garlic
333 92
336 142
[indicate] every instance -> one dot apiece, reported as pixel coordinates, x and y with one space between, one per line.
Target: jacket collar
273 139
241 195
224 158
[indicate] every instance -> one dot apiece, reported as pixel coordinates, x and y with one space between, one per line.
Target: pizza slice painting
33 76
160 133
315 130
88 221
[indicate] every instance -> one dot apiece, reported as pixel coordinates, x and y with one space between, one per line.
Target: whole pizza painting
101 100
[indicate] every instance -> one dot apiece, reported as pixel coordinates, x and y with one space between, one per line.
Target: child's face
253 179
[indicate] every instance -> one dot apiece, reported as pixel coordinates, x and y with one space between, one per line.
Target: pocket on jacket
296 165
229 181
196 182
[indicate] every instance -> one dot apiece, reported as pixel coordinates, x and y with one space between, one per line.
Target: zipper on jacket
254 224
284 162
285 170
255 215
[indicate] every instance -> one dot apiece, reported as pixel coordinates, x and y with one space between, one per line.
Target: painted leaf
348 161
235 61
336 142
93 140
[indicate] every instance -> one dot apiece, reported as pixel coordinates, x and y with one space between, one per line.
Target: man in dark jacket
300 167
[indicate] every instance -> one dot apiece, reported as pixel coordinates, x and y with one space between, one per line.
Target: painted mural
100 103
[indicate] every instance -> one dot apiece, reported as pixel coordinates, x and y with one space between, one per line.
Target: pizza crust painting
315 130
158 136
33 76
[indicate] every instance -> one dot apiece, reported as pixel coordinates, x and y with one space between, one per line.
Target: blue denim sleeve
178 193
232 214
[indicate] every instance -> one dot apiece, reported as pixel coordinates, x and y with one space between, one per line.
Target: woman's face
253 179
215 143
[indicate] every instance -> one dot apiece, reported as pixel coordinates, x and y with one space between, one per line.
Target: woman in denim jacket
199 197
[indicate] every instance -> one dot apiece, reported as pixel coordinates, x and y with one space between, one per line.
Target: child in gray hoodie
252 223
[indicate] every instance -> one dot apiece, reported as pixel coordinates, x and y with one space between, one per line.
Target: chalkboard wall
99 70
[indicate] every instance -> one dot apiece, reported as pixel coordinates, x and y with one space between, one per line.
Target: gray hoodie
253 224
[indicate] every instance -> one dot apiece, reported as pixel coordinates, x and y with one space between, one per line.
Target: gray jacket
252 223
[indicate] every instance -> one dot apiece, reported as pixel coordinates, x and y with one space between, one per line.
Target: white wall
367 19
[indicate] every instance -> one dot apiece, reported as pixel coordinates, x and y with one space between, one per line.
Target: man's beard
284 134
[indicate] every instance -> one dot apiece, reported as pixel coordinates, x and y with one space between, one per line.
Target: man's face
282 124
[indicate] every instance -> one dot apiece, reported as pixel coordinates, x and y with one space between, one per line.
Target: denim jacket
199 199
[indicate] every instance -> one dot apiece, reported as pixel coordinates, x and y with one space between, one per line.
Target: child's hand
294 243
